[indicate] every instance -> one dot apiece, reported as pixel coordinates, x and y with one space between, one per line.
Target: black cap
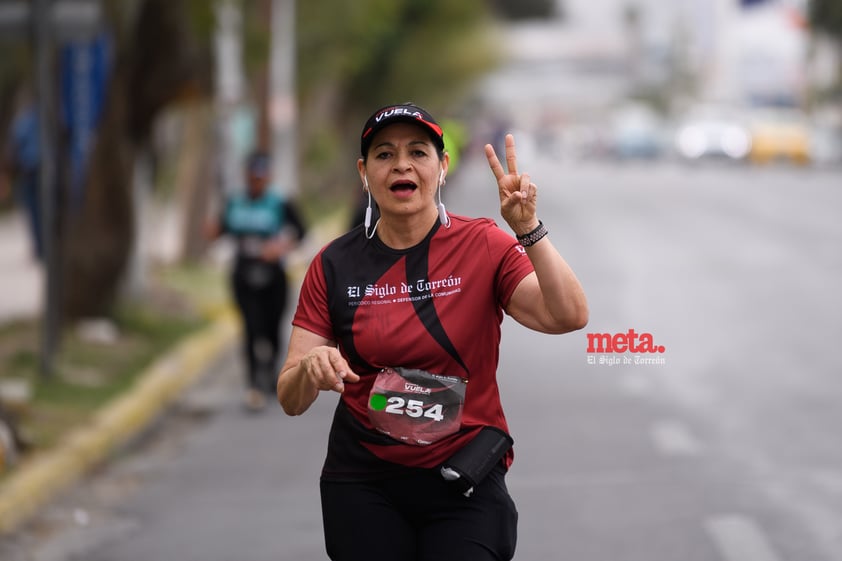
407 113
258 163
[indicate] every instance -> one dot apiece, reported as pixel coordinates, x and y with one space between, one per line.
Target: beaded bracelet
532 237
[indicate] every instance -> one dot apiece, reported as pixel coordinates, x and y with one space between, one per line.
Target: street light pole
283 107
42 35
47 22
229 88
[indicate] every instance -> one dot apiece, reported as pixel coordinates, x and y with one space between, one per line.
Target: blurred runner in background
265 228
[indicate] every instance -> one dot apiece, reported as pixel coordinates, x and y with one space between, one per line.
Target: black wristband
532 237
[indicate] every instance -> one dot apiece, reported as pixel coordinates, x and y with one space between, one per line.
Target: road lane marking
739 538
673 438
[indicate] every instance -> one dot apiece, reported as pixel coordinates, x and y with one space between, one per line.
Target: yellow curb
40 479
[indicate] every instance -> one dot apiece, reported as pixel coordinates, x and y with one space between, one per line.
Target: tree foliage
352 56
826 16
161 57
524 9
357 56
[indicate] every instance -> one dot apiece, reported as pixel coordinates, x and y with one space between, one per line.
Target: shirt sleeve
224 226
292 219
513 263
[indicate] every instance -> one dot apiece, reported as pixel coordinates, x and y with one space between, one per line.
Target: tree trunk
195 179
158 62
97 238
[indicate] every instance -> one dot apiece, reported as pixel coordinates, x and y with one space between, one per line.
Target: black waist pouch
467 467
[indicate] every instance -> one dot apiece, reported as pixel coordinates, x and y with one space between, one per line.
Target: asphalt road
730 449
726 450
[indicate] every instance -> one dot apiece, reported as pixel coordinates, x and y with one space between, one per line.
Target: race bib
416 407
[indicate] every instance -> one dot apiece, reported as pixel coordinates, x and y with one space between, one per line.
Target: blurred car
712 132
780 135
636 132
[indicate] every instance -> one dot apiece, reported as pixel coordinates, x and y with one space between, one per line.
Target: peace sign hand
518 196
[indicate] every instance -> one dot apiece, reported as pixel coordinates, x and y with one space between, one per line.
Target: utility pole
44 22
46 95
721 85
229 89
283 107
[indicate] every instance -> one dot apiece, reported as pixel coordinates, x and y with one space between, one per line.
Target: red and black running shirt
437 307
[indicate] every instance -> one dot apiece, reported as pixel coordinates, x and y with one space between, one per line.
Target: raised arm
551 299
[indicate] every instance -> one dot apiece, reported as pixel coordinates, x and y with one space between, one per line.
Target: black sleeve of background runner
474 460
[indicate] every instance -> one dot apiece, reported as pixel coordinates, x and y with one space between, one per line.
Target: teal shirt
262 217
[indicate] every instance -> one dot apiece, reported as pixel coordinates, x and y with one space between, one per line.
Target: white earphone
443 217
368 208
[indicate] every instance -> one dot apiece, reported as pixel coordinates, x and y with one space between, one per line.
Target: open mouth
404 187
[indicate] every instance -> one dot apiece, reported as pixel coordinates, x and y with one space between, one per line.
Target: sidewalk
21 282
21 276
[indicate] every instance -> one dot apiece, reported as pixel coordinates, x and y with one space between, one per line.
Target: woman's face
403 169
257 182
